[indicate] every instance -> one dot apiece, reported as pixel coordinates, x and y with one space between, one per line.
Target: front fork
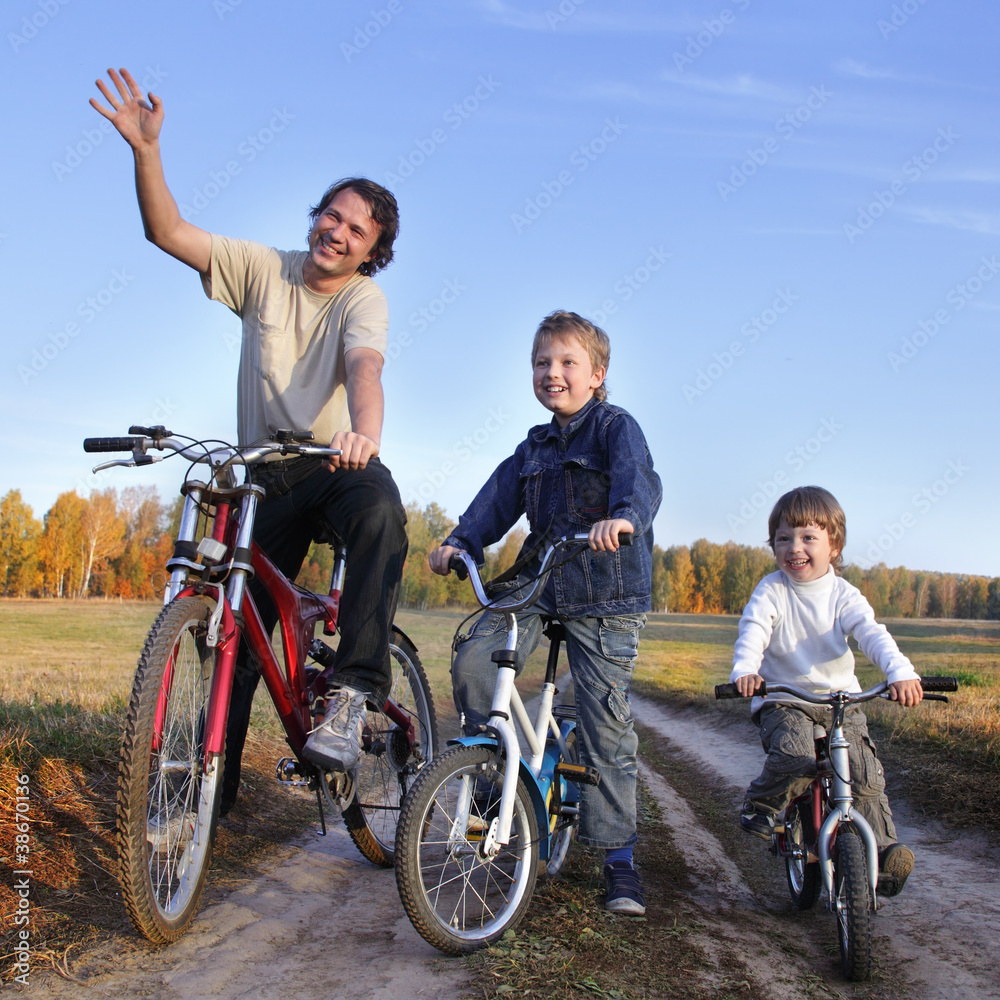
842 811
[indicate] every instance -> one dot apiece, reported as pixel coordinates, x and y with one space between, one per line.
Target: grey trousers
786 732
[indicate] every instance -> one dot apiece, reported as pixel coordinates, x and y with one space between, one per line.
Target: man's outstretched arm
139 123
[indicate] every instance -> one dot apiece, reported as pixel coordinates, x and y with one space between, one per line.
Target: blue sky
784 215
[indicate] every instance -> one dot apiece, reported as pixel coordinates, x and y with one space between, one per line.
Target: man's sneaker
624 889
336 742
895 863
759 824
166 831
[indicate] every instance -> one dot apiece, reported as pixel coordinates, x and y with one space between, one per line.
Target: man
314 336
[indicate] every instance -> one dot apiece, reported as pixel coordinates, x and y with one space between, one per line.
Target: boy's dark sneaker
624 889
895 863
759 824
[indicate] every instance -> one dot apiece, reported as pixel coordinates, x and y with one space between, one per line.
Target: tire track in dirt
323 922
941 933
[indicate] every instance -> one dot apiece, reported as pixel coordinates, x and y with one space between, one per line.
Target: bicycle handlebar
465 566
284 443
927 683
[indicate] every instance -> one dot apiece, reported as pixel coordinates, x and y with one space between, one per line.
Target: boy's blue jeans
602 653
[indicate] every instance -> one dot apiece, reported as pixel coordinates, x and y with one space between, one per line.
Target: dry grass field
65 674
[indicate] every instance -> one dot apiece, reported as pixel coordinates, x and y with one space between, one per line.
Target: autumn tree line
113 544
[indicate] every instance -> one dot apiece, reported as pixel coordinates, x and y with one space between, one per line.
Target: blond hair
592 338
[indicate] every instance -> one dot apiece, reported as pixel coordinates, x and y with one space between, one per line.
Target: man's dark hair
384 212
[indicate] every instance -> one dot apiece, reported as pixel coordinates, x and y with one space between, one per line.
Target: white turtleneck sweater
796 633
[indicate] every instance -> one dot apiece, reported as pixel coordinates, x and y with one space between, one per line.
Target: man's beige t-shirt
292 369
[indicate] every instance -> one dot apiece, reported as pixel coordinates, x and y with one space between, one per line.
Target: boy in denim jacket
587 470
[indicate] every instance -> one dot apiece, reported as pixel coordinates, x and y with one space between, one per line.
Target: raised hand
138 122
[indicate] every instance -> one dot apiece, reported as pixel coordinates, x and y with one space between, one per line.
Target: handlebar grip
731 691
625 537
939 683
458 565
112 444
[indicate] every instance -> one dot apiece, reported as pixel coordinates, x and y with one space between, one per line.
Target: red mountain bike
172 754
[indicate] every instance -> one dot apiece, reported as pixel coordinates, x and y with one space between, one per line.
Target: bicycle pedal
287 772
580 774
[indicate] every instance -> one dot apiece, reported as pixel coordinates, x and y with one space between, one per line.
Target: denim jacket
565 480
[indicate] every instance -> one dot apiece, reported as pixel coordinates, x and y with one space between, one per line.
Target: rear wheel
562 823
457 895
804 879
390 757
853 904
168 801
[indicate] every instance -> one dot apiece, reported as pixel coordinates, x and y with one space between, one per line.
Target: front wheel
804 879
852 904
457 896
168 801
390 757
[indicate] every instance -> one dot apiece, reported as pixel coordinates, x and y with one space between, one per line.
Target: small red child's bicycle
172 754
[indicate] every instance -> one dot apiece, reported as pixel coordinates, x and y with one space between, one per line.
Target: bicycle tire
852 904
168 801
389 761
804 878
561 836
458 900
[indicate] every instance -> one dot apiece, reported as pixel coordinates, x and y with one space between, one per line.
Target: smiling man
314 337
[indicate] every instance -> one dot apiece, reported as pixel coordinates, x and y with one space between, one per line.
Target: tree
102 532
680 579
746 565
875 587
146 548
19 533
709 562
60 546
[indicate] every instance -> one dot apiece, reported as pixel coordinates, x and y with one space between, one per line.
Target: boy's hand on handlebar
603 535
748 684
440 558
355 450
907 693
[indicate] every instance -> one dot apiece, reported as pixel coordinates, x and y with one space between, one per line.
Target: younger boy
588 470
794 630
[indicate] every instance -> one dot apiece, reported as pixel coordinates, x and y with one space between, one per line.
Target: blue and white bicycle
469 842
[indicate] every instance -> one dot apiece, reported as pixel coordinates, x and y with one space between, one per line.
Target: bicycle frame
293 690
539 766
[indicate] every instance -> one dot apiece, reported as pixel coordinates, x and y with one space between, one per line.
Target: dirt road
322 922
